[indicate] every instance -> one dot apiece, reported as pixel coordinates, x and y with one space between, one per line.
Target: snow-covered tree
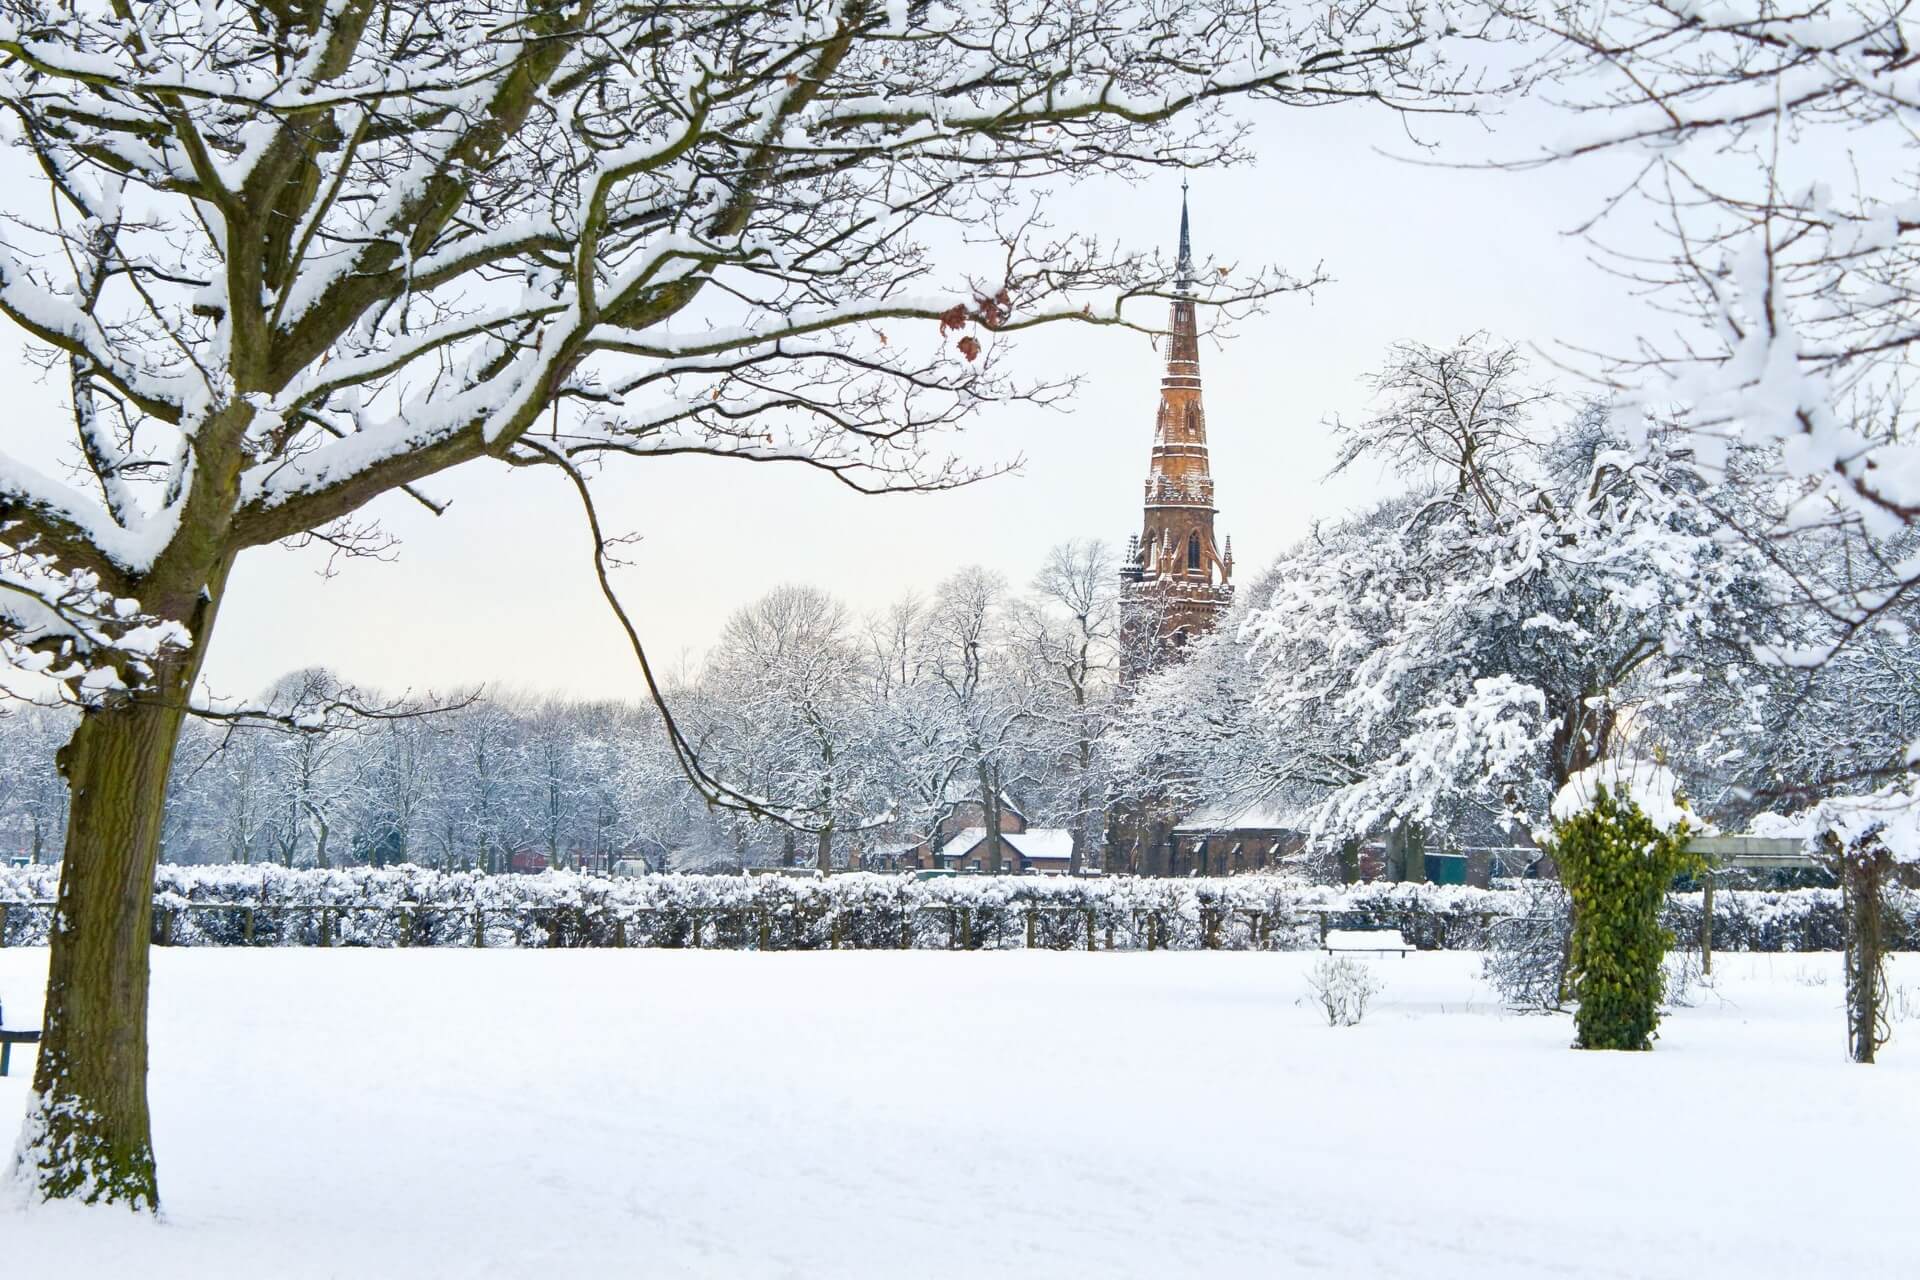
290 258
33 797
1775 145
1465 649
1067 633
792 727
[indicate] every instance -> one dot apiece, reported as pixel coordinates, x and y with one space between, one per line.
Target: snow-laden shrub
1526 953
1619 839
1342 986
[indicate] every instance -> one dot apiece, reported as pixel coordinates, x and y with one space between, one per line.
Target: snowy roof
1036 842
1261 815
963 842
1042 842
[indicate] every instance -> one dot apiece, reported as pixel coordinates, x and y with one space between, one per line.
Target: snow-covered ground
644 1113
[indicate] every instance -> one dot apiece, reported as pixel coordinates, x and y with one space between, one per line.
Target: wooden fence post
1706 924
906 928
766 928
1210 926
247 926
966 928
1089 911
326 926
837 932
479 926
1032 917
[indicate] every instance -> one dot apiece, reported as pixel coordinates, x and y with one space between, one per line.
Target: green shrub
1617 865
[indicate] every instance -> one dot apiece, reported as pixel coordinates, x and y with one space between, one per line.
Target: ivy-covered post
1863 840
1619 838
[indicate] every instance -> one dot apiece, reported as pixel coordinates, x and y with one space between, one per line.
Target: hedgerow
415 906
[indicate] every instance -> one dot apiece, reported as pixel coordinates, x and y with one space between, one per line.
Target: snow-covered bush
1342 986
1619 839
1526 953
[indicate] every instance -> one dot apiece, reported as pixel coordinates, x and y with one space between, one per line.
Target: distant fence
414 907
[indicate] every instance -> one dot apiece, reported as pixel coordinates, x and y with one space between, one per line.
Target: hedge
415 906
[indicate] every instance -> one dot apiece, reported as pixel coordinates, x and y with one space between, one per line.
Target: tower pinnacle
1183 278
1177 577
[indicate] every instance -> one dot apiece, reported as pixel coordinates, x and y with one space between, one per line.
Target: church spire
1178 578
1183 279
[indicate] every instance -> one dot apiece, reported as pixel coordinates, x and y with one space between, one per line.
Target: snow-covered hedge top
1651 786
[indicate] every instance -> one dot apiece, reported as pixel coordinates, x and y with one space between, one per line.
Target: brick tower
1176 578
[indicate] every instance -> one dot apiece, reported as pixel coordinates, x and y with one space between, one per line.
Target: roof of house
963 842
1042 842
1035 842
1262 815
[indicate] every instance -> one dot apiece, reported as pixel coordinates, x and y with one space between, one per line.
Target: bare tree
1070 634
786 675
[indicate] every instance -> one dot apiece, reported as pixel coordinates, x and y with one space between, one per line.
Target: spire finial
1184 268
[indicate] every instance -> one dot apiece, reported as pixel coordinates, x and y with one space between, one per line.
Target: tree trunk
87 1133
1862 883
826 848
990 815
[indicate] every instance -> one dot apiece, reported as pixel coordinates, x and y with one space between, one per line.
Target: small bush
1342 987
1526 957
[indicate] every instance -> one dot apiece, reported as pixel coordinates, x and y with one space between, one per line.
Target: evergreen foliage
1617 865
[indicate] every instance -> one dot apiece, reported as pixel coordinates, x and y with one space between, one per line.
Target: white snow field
566 1114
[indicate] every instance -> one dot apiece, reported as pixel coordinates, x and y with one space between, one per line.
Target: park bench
10 1036
1368 940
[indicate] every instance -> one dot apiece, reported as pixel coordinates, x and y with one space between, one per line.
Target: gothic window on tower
1193 551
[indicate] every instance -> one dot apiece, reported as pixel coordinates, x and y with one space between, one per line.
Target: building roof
1035 842
1262 815
1042 842
963 842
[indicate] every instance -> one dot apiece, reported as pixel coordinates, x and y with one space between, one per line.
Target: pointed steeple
1183 268
1178 580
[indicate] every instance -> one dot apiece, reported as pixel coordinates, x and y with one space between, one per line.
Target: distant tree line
840 735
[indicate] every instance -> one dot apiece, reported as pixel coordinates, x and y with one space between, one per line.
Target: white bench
1373 940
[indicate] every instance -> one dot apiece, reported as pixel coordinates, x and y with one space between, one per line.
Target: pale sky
500 589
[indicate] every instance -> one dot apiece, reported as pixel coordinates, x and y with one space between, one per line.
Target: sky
500 590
